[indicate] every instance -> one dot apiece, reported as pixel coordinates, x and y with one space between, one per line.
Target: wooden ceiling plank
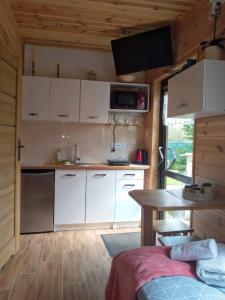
93 23
170 5
64 44
58 11
63 36
81 20
96 7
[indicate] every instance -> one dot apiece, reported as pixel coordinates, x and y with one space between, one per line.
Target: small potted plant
214 49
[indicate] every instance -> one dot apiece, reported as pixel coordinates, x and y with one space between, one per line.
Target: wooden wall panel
7 230
188 33
210 165
10 53
8 83
8 29
8 109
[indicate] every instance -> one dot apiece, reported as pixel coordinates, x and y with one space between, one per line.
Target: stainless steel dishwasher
37 200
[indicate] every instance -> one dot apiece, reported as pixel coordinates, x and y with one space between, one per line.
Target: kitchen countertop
97 166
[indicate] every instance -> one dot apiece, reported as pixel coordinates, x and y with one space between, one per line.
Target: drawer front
130 174
127 209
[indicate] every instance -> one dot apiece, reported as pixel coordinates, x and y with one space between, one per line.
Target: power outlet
118 146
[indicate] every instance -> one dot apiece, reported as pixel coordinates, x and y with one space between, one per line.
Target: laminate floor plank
10 270
92 259
67 241
73 266
38 238
24 287
75 291
96 281
52 248
50 281
4 294
67 265
31 259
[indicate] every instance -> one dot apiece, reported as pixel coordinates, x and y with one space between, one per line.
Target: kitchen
66 131
74 162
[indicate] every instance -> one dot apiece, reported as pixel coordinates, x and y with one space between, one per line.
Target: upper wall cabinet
198 91
95 96
35 96
65 100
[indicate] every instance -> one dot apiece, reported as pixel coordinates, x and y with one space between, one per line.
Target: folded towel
194 250
212 271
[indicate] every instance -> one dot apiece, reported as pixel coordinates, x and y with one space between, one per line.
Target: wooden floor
67 265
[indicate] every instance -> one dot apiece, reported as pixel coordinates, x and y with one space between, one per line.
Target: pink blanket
132 269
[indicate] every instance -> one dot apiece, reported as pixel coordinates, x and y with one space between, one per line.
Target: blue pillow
178 288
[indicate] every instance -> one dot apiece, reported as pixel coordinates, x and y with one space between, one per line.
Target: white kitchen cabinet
100 196
127 209
64 100
198 91
35 98
95 98
69 197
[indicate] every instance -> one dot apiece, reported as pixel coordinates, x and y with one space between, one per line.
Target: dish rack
196 196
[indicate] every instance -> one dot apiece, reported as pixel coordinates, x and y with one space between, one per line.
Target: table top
162 200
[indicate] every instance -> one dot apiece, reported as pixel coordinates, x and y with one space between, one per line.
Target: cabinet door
214 86
185 92
127 209
64 100
70 197
95 97
35 98
100 196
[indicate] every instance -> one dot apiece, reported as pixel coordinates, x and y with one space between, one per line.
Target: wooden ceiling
92 23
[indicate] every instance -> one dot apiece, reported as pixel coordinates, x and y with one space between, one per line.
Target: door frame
163 172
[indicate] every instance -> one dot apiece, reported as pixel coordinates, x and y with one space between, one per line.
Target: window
176 152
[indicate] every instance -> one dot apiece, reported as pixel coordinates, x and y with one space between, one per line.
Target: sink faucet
76 156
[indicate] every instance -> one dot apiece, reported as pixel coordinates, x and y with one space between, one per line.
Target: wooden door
9 203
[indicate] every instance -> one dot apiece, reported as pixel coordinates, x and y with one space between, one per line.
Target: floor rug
118 242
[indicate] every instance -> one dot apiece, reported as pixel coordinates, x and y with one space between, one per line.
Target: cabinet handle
33 114
64 116
69 175
129 185
182 105
100 175
92 117
128 175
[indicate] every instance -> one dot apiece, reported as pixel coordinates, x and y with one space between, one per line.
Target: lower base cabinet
127 209
69 197
100 196
97 196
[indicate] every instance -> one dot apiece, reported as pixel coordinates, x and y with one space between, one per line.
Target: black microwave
127 100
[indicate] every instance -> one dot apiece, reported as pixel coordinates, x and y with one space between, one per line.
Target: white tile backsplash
43 139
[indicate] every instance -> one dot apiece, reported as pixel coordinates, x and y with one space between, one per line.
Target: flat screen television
147 50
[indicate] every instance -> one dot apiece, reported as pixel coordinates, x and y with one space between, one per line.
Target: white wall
74 63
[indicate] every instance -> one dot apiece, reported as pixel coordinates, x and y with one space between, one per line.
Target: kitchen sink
71 163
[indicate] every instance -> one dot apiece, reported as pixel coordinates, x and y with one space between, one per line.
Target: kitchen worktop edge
101 166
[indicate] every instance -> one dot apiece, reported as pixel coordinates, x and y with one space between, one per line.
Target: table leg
147 234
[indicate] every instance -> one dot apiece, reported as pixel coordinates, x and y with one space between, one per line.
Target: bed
148 273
